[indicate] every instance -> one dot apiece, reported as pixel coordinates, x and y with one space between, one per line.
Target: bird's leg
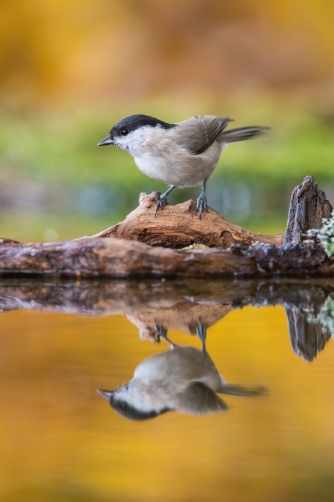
162 333
162 200
201 333
202 200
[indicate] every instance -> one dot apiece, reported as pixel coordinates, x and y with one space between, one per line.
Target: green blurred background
70 70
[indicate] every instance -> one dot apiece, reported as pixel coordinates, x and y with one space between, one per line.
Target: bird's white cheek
122 143
133 142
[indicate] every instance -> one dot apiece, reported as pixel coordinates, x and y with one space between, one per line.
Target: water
62 441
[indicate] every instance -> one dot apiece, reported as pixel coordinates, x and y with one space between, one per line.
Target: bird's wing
198 399
198 133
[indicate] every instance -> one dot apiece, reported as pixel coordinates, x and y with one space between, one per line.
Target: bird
182 154
183 379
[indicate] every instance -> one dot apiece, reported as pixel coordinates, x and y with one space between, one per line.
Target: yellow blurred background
62 442
133 49
70 70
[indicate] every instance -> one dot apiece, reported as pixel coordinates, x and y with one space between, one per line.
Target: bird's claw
162 333
161 202
202 203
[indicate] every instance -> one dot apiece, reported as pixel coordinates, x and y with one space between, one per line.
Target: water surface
61 440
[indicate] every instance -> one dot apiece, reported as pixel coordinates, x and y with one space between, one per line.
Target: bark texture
308 206
92 257
176 227
118 258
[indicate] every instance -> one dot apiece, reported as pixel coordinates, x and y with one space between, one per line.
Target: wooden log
121 258
118 258
108 254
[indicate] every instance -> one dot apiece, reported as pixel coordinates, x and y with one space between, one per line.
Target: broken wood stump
308 207
178 226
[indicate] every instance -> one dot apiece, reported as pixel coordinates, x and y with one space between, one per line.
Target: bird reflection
183 379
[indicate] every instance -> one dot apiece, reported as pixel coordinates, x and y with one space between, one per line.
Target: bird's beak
106 141
107 394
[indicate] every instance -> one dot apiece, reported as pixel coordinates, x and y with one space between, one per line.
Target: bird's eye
124 131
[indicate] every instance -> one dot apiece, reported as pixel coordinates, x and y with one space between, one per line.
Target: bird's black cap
128 411
136 121
133 413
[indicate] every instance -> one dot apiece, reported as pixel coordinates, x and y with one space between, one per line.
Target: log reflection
190 318
191 307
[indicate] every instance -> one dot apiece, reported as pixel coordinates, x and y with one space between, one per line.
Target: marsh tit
183 154
183 379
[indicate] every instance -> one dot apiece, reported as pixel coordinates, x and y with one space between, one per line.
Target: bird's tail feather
241 390
241 134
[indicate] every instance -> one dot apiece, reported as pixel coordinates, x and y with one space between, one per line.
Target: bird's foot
161 202
162 333
201 333
202 203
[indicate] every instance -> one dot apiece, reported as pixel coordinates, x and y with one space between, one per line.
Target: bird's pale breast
178 167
